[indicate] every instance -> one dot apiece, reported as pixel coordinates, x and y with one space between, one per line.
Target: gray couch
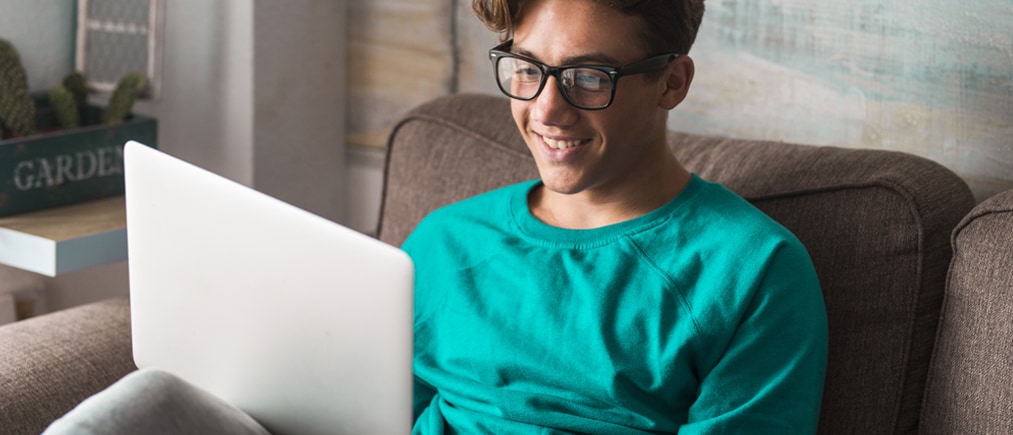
918 343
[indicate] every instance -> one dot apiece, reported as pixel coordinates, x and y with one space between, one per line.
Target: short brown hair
671 25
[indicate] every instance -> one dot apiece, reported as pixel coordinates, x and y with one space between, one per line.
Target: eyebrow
584 59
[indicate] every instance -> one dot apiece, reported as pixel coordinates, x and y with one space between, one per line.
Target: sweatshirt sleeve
770 377
422 392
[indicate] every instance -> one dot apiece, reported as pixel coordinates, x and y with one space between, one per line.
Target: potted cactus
55 149
17 111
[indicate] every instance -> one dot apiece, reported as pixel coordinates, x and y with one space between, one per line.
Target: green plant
68 99
77 85
122 100
17 110
65 106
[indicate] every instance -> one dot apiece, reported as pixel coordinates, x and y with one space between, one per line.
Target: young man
618 293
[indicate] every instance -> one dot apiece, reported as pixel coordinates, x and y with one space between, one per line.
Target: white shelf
60 240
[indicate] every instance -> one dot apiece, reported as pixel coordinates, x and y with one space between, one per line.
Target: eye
590 80
527 73
522 71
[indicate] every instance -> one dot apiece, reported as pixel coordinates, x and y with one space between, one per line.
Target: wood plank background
932 77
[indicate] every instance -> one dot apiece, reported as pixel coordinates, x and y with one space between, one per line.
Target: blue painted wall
43 33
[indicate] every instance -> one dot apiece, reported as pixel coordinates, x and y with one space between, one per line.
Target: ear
677 77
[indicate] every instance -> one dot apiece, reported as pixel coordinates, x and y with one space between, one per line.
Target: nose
550 108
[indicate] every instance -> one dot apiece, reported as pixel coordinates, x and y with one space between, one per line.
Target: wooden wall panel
933 77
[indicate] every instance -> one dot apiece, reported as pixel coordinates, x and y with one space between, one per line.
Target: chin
564 187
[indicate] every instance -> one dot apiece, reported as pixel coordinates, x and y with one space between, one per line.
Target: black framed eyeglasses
588 87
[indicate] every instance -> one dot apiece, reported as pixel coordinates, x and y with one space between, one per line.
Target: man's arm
770 377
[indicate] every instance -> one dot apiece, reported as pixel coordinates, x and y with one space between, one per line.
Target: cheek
520 117
637 112
638 94
625 128
520 113
612 124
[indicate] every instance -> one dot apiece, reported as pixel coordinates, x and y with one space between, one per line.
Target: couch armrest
50 363
969 388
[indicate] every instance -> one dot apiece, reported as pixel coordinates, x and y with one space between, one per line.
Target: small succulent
122 100
77 85
64 106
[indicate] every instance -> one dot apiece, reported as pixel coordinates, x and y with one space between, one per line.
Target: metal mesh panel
116 37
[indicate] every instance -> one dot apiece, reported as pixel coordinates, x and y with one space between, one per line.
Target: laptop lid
302 323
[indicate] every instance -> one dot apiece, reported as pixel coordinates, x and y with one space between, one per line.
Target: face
581 151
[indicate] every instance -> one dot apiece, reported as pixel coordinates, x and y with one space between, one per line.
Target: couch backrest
876 224
970 384
447 150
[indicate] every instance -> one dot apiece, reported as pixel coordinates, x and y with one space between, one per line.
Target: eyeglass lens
584 87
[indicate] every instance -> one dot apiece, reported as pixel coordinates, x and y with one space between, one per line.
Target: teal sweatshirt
703 316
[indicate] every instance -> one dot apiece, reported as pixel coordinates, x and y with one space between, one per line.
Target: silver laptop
302 323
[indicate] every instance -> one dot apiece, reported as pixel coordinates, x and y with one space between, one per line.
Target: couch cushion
876 223
970 389
50 363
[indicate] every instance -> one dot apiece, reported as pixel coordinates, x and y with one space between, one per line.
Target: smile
561 144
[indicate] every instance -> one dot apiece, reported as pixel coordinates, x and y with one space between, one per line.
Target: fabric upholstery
48 364
875 222
970 386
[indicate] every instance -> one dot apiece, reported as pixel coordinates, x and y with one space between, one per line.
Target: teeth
560 144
